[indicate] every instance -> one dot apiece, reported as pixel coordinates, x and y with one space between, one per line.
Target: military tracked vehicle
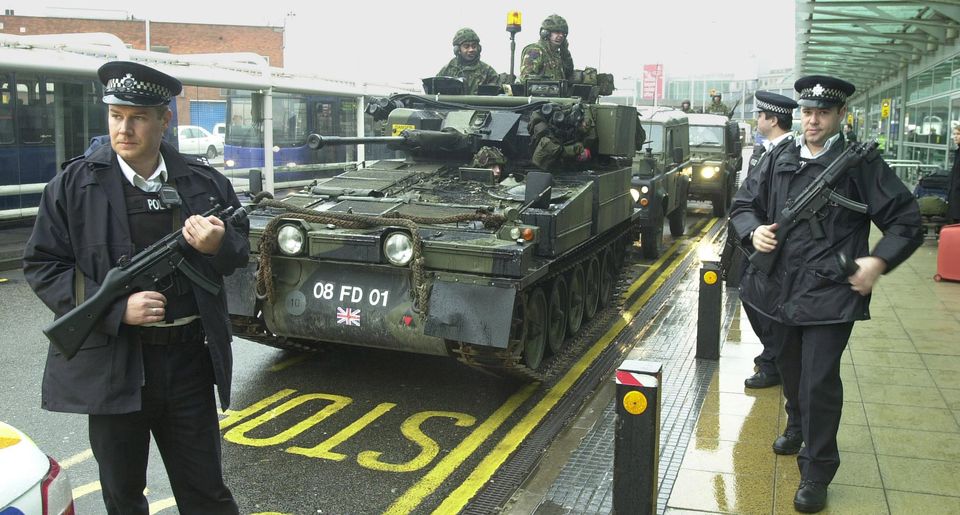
500 232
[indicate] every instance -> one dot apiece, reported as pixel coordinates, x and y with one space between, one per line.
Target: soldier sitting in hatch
467 64
548 58
717 106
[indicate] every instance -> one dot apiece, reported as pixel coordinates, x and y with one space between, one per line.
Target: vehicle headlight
708 171
635 193
398 248
644 189
290 239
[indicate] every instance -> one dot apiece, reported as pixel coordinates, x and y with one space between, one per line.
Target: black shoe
761 380
788 443
811 497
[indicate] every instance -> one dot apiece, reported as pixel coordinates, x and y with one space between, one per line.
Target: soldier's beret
773 103
822 91
134 84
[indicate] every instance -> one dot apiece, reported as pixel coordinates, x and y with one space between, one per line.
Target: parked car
198 141
31 482
220 131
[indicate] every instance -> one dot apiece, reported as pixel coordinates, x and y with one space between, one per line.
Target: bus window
35 111
6 115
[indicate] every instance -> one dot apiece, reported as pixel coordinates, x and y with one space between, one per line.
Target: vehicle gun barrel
316 141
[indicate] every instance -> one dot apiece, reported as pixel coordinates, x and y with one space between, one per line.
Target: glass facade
932 111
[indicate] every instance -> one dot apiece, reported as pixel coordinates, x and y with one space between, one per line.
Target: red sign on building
652 87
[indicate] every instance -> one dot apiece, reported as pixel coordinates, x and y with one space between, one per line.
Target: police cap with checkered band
822 91
769 102
134 84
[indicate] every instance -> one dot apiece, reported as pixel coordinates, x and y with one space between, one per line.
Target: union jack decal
348 316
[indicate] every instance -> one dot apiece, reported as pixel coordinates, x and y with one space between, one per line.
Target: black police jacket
806 286
82 226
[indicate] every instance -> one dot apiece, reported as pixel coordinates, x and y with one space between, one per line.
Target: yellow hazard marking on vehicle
459 498
455 458
710 277
635 402
233 416
399 128
86 489
325 448
429 448
238 435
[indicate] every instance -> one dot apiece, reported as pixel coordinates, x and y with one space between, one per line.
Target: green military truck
659 186
716 159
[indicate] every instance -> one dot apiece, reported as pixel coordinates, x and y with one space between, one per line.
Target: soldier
548 58
467 64
685 106
810 302
716 106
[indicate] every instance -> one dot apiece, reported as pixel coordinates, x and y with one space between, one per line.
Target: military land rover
716 159
659 185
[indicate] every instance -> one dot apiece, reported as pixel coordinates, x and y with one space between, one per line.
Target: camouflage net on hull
419 289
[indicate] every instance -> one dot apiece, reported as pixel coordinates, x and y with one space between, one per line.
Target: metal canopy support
871 41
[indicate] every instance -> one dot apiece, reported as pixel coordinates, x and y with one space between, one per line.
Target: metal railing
910 171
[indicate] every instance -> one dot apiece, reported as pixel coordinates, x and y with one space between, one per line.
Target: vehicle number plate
347 294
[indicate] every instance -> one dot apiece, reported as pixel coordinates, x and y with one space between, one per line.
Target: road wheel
720 203
651 241
592 283
608 276
678 221
557 311
211 152
535 329
575 299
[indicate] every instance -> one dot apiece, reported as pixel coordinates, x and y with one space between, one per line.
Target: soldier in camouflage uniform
716 106
467 64
548 58
685 106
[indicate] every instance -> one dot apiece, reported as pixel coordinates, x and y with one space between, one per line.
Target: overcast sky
404 41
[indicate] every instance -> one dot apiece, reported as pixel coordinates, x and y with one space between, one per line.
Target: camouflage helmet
465 34
555 23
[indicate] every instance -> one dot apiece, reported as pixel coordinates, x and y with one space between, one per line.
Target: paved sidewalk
899 436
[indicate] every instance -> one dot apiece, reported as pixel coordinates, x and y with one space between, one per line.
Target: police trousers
179 410
809 364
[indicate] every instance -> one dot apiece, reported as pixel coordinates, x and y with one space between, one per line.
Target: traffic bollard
636 451
709 311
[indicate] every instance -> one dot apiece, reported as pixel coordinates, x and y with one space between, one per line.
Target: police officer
716 104
812 304
466 62
774 120
549 58
150 366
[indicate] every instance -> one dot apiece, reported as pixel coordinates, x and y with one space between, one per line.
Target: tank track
509 362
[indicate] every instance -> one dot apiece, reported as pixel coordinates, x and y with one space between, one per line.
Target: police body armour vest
150 220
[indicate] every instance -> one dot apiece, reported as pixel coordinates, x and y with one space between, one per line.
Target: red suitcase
948 254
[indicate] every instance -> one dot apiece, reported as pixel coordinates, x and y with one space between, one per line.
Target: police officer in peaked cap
149 367
810 302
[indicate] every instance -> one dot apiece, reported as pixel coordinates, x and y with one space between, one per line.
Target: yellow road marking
658 263
88 488
162 504
325 448
456 501
289 363
449 463
77 459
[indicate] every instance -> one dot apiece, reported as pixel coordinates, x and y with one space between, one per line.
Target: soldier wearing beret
549 58
149 368
810 303
466 63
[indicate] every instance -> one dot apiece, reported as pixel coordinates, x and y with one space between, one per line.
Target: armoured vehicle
660 183
495 239
715 150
